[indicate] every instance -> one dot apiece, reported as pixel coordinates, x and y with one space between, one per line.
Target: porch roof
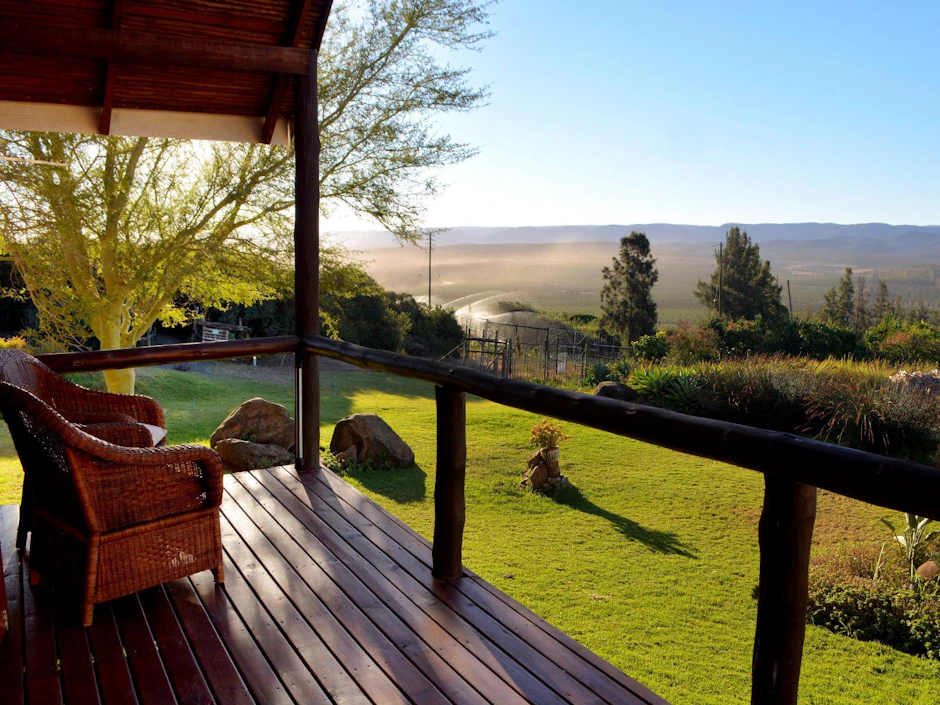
200 69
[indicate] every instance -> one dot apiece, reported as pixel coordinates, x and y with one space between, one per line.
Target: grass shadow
665 542
401 485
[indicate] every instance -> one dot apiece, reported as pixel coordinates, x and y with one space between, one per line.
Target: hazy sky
614 111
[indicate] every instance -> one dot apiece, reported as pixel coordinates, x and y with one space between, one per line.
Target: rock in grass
350 453
259 421
929 570
245 455
616 390
374 438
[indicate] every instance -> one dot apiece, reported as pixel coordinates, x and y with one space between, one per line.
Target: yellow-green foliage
13 343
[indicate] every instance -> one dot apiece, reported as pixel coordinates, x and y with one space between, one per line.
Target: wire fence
531 352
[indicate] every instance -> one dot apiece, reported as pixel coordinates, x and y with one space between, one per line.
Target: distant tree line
748 315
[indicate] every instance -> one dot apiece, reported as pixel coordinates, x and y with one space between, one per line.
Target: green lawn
651 561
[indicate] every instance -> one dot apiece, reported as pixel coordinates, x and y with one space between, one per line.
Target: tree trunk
118 381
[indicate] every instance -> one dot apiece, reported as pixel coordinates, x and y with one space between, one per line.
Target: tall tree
105 243
627 296
882 306
860 316
745 283
839 302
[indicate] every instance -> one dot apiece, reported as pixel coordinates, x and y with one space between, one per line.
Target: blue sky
613 111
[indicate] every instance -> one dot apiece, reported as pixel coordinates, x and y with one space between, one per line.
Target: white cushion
157 433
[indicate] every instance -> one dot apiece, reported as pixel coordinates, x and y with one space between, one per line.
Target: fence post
785 535
449 504
547 331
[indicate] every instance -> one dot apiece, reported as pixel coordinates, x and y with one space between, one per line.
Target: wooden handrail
794 467
97 360
888 482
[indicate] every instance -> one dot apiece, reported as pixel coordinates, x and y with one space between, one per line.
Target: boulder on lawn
374 438
245 455
259 421
617 390
538 476
929 570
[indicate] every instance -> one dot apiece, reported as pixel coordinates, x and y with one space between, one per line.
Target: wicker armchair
109 515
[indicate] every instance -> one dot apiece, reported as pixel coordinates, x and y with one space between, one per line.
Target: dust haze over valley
559 268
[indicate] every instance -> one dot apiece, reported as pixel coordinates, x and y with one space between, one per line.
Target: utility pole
430 247
790 296
721 271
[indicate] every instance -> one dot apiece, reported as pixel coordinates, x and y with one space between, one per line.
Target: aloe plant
915 541
621 368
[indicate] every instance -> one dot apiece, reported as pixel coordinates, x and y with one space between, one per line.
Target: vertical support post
547 354
307 264
785 537
449 503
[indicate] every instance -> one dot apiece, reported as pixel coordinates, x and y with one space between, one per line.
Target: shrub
899 617
599 372
547 434
13 343
901 341
868 413
690 344
621 368
796 337
651 347
670 389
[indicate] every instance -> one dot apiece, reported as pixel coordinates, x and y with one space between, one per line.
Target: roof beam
117 10
21 37
280 83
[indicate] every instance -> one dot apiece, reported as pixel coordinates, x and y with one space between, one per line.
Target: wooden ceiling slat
152 49
116 12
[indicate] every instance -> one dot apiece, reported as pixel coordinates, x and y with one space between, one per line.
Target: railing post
449 503
307 265
785 536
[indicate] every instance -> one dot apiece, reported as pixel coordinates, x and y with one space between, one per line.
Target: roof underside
206 69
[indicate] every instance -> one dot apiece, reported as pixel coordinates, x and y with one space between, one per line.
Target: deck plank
11 647
563 651
150 677
79 683
115 685
181 667
449 686
293 672
480 661
43 686
328 599
218 668
320 661
374 544
258 674
315 595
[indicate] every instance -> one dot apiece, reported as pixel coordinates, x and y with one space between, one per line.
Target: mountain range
863 235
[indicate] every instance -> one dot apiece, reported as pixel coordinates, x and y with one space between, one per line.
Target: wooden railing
793 467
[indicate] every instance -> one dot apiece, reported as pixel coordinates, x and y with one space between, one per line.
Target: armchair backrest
23 371
35 428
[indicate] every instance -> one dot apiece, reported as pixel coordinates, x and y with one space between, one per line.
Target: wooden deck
328 599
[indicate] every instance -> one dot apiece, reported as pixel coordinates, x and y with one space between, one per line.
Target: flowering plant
547 434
